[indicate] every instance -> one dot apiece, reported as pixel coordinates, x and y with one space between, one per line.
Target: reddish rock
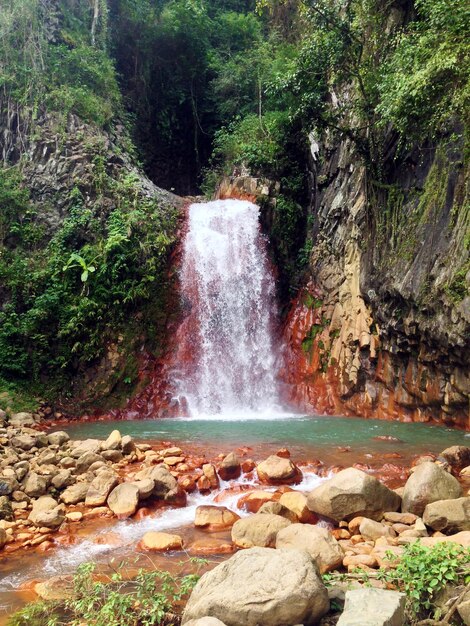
253 501
203 484
206 547
230 468
188 483
214 518
248 465
283 453
276 470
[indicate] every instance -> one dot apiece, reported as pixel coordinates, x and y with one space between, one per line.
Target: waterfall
227 358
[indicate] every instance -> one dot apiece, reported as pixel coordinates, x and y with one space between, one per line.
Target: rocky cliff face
381 327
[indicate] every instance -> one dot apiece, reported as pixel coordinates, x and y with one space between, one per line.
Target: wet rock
318 542
203 484
123 500
214 518
35 485
58 438
276 470
56 588
3 537
47 513
161 542
253 501
75 493
248 465
280 588
352 493
206 547
19 420
297 502
258 530
209 472
373 607
428 483
166 485
113 442
448 516
230 467
276 508
6 511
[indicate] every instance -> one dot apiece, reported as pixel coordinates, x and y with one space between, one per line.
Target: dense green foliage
148 599
66 295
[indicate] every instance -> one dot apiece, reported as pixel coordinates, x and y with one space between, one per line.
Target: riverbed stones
458 457
372 530
297 503
23 442
373 607
145 487
352 493
58 438
3 537
280 588
35 485
75 493
6 511
258 530
253 501
127 445
20 420
276 508
166 485
123 500
113 442
318 542
47 513
79 448
230 467
448 516
161 542
428 483
277 470
214 518
85 461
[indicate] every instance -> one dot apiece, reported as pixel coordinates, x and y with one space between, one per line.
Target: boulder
253 501
261 587
75 493
35 485
458 457
58 438
123 500
352 493
297 502
87 460
47 512
214 517
145 487
373 607
166 485
448 516
318 542
276 470
82 447
428 483
160 542
276 508
127 445
23 442
112 455
462 538
19 420
258 530
230 467
113 442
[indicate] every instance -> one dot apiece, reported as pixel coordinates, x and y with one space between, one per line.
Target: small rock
161 542
127 445
276 470
19 420
47 512
58 438
297 502
373 607
253 501
214 518
230 467
113 442
373 530
75 493
276 508
210 473
35 485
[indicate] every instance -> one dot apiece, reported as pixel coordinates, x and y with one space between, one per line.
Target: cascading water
228 292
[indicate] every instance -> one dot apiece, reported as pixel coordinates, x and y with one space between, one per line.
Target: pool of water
307 437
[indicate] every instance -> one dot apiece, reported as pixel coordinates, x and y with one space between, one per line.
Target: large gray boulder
449 516
261 587
428 483
258 530
373 607
318 542
351 493
100 488
19 420
75 493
